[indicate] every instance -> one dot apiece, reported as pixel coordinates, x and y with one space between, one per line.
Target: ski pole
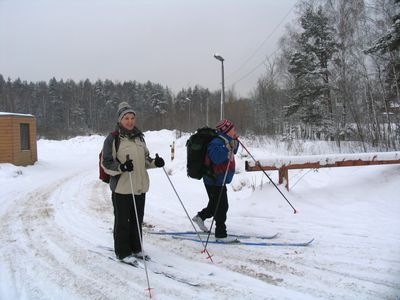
218 201
139 233
265 173
187 214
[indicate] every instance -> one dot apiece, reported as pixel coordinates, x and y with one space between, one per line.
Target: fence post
172 150
284 174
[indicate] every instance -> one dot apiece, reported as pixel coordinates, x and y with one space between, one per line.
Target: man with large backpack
220 156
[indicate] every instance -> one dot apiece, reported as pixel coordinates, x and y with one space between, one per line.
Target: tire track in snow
45 260
57 226
288 267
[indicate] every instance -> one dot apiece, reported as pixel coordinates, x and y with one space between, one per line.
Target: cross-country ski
202 233
159 269
238 242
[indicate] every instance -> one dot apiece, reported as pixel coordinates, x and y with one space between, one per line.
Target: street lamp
221 59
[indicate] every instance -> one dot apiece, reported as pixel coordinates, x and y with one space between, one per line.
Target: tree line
335 77
68 108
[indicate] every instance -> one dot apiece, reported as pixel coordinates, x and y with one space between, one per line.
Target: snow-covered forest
335 76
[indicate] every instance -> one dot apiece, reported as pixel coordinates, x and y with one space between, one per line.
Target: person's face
128 121
232 133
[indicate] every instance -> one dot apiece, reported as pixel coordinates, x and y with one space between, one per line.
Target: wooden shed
17 139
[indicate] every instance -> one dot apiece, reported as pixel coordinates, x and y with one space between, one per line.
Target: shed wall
6 139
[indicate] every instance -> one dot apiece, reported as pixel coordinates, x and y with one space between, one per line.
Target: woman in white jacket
124 152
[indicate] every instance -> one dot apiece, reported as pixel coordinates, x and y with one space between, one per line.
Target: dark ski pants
213 192
126 236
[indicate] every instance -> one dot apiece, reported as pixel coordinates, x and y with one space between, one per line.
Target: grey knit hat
123 109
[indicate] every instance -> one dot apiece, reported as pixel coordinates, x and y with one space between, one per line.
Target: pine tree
385 52
309 65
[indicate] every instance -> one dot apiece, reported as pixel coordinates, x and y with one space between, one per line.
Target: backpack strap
226 142
117 140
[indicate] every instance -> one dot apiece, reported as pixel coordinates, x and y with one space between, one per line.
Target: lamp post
207 111
189 101
221 59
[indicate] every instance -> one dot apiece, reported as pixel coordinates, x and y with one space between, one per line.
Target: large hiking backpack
103 176
196 148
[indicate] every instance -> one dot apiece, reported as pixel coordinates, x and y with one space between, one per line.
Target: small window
24 130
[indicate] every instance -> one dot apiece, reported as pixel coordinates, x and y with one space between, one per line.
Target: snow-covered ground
56 216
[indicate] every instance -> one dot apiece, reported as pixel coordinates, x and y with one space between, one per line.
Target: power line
259 47
255 68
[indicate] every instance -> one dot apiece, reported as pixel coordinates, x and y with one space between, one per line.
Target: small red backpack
103 176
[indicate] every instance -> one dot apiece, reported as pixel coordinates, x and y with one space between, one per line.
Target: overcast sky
170 42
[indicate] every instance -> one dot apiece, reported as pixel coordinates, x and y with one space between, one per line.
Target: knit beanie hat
224 125
123 109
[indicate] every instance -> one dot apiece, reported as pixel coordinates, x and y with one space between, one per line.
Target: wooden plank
317 165
258 167
284 169
5 119
5 147
5 141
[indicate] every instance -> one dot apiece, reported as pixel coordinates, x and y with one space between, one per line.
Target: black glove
158 161
127 166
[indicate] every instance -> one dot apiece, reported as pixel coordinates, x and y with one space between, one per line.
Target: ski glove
158 161
127 166
233 144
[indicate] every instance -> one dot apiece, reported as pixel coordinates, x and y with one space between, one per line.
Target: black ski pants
214 192
126 234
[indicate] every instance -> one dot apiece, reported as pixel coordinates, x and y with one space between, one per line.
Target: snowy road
56 215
